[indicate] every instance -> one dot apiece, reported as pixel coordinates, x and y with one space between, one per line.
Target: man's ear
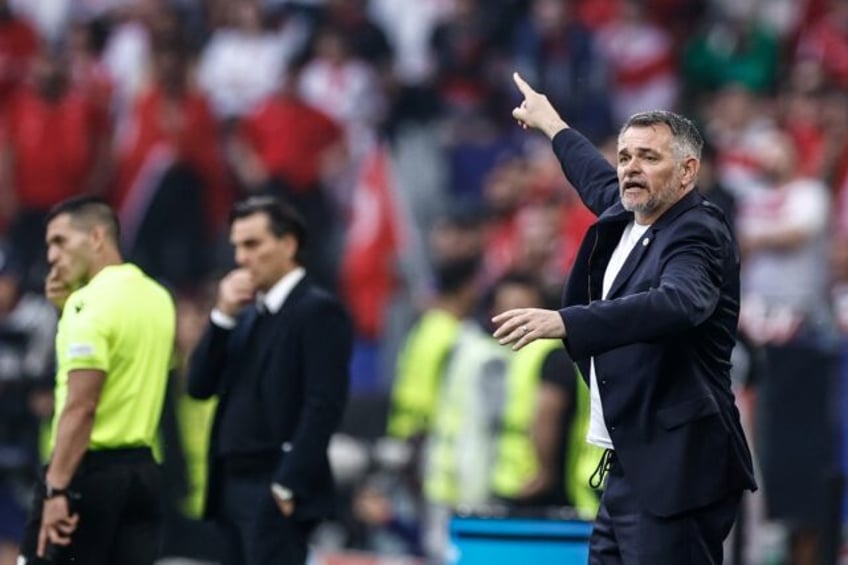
290 246
690 167
98 237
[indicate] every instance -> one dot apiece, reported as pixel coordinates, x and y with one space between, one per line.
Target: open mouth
633 186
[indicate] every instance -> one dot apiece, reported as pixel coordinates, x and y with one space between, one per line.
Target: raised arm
585 168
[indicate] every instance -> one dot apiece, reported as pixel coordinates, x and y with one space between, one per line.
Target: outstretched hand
525 325
536 111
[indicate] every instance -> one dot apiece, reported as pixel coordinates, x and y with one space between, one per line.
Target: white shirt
598 433
272 300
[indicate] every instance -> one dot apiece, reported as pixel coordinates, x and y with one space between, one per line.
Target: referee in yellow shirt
100 499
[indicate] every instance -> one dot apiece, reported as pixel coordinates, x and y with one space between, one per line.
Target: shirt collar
273 300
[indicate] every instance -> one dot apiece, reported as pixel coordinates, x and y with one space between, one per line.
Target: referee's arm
73 431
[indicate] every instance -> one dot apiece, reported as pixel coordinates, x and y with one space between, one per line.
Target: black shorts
120 511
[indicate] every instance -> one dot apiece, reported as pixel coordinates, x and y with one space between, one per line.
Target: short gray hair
686 139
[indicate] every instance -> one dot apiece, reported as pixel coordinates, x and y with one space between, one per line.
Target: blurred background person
27 324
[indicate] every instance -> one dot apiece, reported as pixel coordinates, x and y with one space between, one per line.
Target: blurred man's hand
56 289
235 291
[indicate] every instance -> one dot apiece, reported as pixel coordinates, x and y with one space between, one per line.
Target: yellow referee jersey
122 323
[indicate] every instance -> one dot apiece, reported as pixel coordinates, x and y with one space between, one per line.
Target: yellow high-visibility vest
421 364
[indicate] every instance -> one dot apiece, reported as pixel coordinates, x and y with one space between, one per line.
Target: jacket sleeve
595 180
692 269
206 366
326 347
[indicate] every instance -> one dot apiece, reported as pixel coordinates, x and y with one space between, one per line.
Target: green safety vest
419 373
194 418
460 447
517 462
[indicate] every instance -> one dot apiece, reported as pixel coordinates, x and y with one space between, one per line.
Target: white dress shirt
598 433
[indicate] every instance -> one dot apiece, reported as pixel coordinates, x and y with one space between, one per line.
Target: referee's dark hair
87 212
283 219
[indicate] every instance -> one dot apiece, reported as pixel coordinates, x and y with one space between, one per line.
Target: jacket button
612 428
287 447
604 381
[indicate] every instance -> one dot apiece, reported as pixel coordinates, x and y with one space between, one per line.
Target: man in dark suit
650 313
276 352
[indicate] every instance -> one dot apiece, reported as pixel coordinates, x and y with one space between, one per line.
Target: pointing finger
522 85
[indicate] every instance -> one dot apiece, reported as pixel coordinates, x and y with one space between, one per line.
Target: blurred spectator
736 119
423 358
785 307
85 42
642 62
55 146
462 53
834 171
127 55
18 48
731 48
456 235
556 52
710 186
504 193
409 26
825 42
800 105
543 248
367 40
49 18
242 62
172 192
27 323
345 88
461 447
542 458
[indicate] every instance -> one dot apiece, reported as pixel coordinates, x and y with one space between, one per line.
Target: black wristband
52 492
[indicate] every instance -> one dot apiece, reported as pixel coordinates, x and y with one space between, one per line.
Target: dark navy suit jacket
661 340
302 389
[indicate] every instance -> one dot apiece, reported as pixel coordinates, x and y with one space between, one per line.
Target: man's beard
654 202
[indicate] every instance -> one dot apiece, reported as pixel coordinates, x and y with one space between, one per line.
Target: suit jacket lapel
609 226
632 261
278 319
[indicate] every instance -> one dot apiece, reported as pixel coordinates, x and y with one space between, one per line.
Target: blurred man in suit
276 352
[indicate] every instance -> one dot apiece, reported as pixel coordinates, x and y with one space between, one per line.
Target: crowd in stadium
387 124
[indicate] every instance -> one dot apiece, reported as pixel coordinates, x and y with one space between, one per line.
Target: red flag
368 271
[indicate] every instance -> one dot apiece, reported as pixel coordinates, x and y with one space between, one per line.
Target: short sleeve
558 370
86 343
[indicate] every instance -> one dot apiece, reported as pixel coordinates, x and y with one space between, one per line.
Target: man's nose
630 167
